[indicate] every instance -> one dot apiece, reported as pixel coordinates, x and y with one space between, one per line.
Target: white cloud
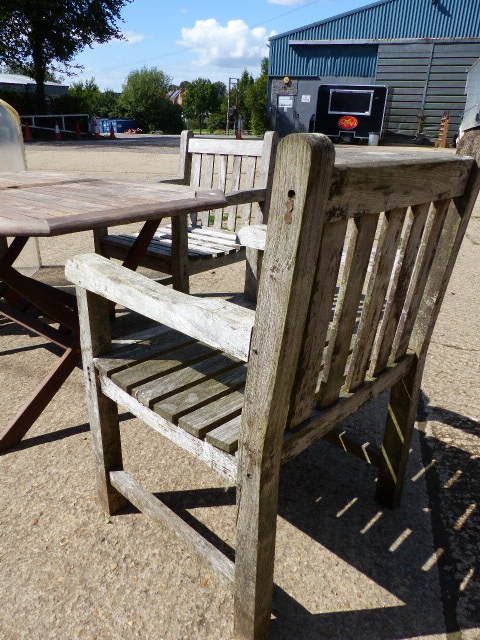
234 45
286 2
132 38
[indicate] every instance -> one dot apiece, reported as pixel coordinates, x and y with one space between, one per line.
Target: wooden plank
219 461
173 382
416 181
311 359
300 190
202 420
208 162
427 252
398 293
95 339
132 354
246 209
155 509
366 451
173 407
355 269
159 364
253 236
225 437
386 251
226 146
322 421
221 184
217 323
234 186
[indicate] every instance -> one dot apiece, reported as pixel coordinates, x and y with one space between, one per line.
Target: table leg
24 419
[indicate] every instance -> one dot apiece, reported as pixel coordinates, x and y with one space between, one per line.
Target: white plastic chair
12 158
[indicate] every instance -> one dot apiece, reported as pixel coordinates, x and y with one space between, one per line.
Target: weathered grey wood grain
299 196
198 395
202 420
225 436
375 297
216 322
219 461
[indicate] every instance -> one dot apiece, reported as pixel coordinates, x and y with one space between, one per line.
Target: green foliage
144 97
245 82
256 101
201 98
37 35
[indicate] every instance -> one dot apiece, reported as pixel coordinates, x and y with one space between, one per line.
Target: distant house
16 82
176 96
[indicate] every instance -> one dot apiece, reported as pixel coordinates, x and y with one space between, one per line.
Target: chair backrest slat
430 239
384 259
355 269
399 289
377 278
320 315
229 165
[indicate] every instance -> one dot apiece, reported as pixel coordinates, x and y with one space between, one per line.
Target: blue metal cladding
386 20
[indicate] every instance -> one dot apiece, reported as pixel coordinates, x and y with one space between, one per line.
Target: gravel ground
344 569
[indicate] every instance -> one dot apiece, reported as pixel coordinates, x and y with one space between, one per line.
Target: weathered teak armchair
243 169
245 391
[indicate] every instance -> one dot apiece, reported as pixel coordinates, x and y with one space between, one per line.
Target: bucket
373 139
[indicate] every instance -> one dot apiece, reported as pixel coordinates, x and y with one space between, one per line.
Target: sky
188 39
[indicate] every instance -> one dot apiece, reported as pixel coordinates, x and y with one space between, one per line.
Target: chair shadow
328 496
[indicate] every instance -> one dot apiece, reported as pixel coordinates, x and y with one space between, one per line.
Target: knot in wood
288 216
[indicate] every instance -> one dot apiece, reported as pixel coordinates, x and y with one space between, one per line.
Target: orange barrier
57 135
28 133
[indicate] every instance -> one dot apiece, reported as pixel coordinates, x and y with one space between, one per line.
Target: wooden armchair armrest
218 323
173 180
253 236
244 196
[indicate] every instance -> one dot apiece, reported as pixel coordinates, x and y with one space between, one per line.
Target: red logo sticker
347 122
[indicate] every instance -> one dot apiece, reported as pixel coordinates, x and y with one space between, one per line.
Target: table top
48 203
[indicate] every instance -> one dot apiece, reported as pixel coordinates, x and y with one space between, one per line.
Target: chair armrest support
218 323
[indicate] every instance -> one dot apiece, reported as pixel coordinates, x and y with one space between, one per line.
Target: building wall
420 49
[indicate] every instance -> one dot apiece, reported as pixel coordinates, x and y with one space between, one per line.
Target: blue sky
215 39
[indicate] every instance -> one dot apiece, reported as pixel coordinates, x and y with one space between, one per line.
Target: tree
38 35
202 97
256 100
245 82
144 97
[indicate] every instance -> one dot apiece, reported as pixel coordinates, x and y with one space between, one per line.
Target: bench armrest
218 323
244 196
172 180
253 236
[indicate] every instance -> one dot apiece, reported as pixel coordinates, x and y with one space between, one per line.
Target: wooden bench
243 169
245 391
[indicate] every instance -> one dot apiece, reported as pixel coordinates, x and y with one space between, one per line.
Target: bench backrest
376 241
12 151
234 166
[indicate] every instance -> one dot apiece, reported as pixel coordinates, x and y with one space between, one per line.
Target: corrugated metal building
420 49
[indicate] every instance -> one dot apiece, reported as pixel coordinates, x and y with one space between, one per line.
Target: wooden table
45 203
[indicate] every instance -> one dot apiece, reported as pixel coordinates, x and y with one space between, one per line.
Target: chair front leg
257 499
103 412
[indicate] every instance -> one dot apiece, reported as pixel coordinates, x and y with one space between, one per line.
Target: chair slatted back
378 279
231 166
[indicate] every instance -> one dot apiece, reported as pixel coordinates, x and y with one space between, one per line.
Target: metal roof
13 78
397 19
344 44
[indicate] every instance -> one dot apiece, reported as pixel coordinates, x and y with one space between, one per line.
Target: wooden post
300 193
103 413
